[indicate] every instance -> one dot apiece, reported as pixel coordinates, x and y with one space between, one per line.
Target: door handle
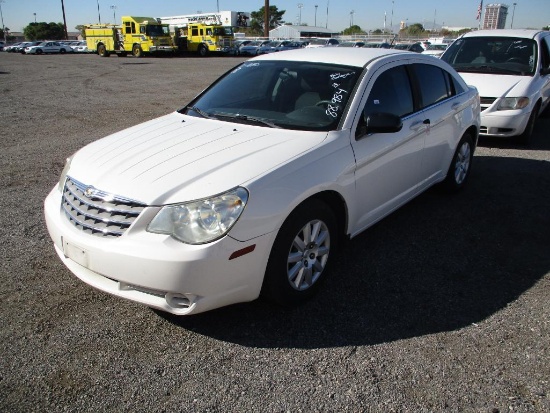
456 106
420 124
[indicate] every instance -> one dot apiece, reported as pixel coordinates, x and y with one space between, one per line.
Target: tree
257 19
44 31
82 29
353 30
415 29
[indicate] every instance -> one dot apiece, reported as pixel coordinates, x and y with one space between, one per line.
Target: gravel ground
443 306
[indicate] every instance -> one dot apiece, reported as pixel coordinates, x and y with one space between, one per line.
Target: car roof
525 33
358 57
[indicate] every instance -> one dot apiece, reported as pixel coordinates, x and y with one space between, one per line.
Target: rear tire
300 258
102 51
459 170
62 51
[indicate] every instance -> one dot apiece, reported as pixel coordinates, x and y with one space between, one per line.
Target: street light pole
2 15
513 12
316 14
326 26
64 21
34 17
391 20
300 5
98 14
114 14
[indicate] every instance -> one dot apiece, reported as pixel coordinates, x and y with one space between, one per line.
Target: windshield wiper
247 119
200 112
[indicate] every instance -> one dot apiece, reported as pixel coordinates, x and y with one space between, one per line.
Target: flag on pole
479 9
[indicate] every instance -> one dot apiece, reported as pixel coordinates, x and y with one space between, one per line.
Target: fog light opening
179 300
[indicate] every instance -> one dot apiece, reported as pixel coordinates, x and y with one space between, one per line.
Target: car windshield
437 47
157 30
282 94
318 41
495 55
223 31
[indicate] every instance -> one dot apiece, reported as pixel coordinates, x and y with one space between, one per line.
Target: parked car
356 43
235 48
48 47
11 47
411 47
252 48
2 44
322 42
269 47
511 69
80 47
249 188
382 45
22 46
288 45
435 49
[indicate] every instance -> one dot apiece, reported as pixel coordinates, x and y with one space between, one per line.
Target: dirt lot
443 306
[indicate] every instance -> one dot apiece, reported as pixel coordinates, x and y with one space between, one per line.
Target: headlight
513 103
64 173
202 221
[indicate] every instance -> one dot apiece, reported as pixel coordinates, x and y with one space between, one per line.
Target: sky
336 14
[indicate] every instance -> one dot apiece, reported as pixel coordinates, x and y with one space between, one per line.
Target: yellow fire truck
200 33
137 35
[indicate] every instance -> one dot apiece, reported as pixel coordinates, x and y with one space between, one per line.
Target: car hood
491 85
176 158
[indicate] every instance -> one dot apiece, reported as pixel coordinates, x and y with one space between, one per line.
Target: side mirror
544 71
383 123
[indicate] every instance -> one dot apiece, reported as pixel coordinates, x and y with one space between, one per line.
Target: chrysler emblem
89 192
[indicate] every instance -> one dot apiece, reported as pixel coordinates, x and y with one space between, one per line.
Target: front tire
459 170
525 137
299 260
137 51
203 51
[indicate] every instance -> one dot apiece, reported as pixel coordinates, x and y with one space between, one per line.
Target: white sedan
248 189
48 47
80 47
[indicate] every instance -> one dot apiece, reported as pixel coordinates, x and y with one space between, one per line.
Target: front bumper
168 49
503 123
157 270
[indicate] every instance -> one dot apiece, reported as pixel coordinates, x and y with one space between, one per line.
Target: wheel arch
337 204
473 131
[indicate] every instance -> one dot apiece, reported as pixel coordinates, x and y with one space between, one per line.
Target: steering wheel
514 60
323 103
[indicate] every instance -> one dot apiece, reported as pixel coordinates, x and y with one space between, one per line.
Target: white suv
511 70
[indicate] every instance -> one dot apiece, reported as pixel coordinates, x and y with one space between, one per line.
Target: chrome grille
486 102
97 212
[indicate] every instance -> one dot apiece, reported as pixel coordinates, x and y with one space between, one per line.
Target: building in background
495 16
